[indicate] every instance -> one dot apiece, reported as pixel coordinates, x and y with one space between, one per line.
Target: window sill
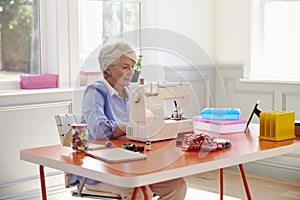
13 92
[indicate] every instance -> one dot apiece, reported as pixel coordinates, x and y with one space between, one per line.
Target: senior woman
106 108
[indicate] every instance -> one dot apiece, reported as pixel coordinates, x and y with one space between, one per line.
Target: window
58 36
19 38
100 20
276 41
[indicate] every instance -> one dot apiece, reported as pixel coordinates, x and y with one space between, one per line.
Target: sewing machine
147 117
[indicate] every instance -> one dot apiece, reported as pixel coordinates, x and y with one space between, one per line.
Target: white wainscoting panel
291 102
27 120
25 127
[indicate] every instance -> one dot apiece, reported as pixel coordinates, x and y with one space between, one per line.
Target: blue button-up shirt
102 109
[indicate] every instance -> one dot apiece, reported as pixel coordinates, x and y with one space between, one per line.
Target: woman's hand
120 130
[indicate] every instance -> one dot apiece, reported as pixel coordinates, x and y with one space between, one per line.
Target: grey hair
112 51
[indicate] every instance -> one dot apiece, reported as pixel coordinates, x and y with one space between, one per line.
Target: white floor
193 194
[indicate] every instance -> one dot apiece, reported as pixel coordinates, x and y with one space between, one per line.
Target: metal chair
63 123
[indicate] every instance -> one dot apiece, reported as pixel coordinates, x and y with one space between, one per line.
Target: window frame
51 34
58 29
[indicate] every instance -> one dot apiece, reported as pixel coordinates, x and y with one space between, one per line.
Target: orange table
164 162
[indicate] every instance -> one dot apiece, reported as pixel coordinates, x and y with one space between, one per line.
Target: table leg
144 190
43 185
221 184
245 182
134 193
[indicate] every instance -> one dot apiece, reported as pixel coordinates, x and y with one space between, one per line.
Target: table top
165 161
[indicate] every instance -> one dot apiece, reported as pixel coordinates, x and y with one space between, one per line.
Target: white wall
233 26
221 27
193 19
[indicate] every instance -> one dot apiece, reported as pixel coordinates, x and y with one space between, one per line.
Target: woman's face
121 73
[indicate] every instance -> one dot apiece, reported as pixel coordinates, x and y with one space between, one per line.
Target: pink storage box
37 81
87 78
219 126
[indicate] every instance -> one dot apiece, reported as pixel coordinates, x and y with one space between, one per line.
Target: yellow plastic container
277 125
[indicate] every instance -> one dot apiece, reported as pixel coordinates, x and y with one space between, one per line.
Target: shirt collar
112 90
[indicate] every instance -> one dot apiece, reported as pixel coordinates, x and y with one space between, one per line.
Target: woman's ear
108 71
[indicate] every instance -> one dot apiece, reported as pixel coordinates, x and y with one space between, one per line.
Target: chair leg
80 187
